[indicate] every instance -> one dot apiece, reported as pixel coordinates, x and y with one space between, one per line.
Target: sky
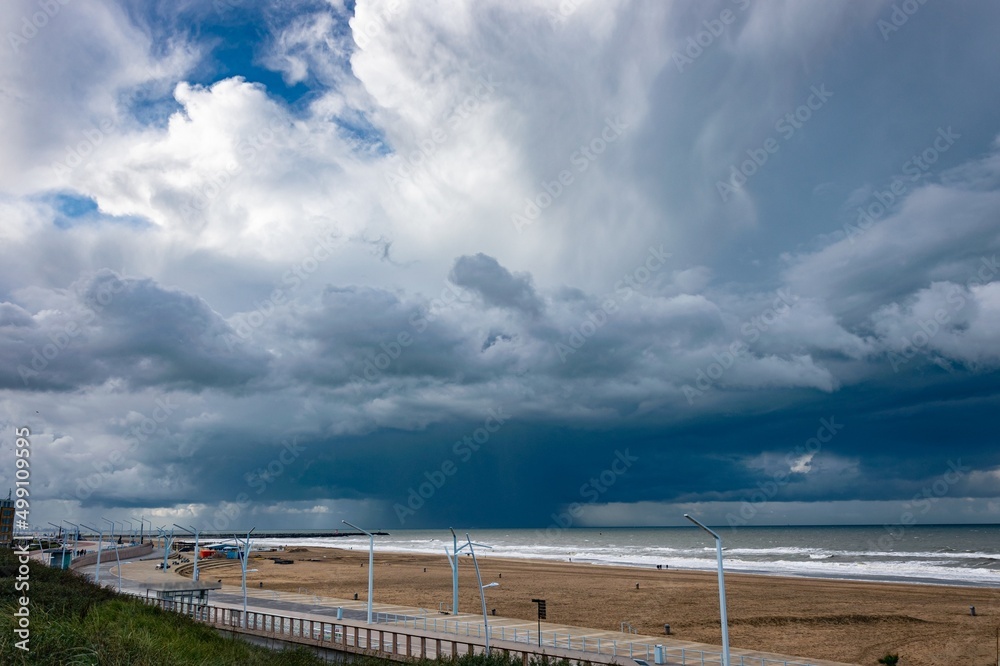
501 263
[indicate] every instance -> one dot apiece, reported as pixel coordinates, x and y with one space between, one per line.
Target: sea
934 554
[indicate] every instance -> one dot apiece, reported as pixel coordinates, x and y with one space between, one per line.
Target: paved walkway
137 573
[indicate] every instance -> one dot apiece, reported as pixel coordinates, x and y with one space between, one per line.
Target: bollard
666 629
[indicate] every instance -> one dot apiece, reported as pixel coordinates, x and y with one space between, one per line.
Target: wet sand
848 621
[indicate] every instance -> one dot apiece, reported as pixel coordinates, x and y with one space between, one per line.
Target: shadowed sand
855 622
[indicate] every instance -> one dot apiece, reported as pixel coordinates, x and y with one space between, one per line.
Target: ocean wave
674 550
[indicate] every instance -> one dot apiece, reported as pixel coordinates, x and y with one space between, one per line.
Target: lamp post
194 572
453 561
62 539
371 561
100 544
167 541
117 559
72 551
194 530
482 588
244 556
76 539
142 524
131 531
722 591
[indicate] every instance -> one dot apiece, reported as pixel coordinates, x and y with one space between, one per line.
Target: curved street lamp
62 538
482 588
195 532
142 524
76 539
371 559
117 559
100 545
245 557
722 591
167 542
453 561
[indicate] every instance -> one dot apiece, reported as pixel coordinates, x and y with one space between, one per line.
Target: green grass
74 622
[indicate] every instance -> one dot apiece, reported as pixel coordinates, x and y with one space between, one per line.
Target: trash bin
658 655
340 612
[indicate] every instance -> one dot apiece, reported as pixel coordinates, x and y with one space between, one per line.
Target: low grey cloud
108 327
496 285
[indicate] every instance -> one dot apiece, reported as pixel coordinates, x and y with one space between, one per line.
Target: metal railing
567 641
334 634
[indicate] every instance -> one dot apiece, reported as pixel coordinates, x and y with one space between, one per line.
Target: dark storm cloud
496 285
366 336
372 365
114 327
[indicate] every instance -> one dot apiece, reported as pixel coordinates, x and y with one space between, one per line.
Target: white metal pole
117 559
76 540
100 543
100 547
371 561
63 541
722 601
722 591
482 591
245 558
453 563
482 597
194 573
454 571
166 547
371 573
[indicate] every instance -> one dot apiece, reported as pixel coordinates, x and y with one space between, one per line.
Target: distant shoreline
709 567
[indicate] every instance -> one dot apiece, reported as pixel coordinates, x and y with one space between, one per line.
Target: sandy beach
854 622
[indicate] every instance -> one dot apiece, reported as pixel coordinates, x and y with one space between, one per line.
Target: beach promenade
622 646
